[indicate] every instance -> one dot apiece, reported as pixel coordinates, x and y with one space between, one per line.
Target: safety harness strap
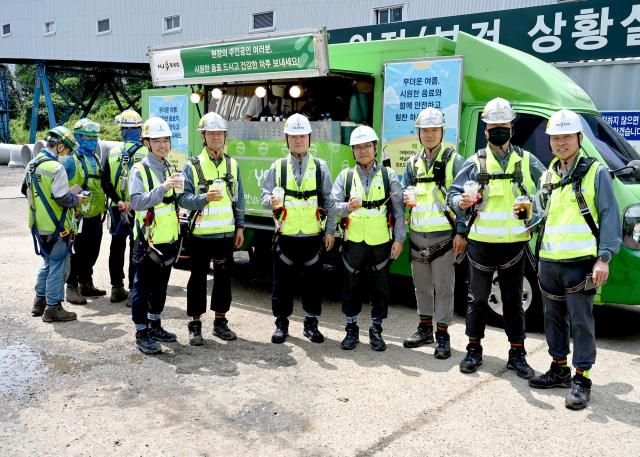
428 255
504 266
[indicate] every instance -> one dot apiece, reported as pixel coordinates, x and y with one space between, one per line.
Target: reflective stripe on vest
496 222
302 214
368 225
98 199
566 234
217 216
115 159
45 173
166 225
426 216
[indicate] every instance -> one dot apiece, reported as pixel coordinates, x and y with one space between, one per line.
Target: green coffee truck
341 85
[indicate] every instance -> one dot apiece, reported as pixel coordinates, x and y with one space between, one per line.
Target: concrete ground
81 388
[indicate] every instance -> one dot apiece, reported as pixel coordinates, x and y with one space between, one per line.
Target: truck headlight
631 227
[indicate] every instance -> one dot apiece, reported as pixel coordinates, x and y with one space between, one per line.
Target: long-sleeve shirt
470 172
299 167
189 199
458 163
608 212
141 200
59 186
395 191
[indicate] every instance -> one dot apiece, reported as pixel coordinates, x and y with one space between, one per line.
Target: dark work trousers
510 283
149 291
202 251
292 271
119 235
571 316
361 257
86 249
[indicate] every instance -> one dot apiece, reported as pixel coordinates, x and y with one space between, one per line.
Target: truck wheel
531 300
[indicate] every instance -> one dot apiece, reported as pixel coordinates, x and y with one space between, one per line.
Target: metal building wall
137 24
613 86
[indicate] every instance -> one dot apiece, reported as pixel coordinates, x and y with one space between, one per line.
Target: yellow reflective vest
368 224
119 169
301 214
166 225
217 216
428 214
90 179
566 233
495 222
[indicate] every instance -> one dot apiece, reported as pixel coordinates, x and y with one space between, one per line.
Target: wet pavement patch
20 366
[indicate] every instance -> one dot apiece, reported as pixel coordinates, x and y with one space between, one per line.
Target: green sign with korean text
296 56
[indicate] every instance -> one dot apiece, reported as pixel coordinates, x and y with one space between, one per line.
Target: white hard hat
297 124
156 127
564 122
278 91
129 118
429 117
498 111
362 134
212 122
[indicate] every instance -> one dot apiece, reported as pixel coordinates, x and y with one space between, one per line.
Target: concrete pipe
21 156
5 152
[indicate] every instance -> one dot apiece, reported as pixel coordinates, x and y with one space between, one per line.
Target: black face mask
499 135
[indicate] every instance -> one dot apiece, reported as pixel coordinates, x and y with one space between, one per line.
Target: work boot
89 290
311 330
39 304
352 338
281 332
221 329
375 338
146 343
557 376
518 362
424 335
195 333
472 360
73 296
580 393
118 294
58 314
158 333
443 346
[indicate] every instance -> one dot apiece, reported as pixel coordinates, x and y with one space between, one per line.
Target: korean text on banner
410 87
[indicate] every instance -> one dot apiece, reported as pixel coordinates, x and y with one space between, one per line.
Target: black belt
428 255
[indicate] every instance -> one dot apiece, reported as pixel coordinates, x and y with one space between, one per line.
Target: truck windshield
615 150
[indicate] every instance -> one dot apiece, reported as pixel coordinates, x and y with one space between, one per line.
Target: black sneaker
146 344
222 331
159 334
195 333
443 346
39 304
472 360
557 376
518 362
311 330
58 314
375 338
352 338
424 335
580 393
281 332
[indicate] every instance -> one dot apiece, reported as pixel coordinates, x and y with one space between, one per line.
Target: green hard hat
64 135
86 126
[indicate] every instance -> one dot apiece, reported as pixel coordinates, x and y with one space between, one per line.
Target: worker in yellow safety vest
214 194
156 230
369 199
297 188
487 186
579 233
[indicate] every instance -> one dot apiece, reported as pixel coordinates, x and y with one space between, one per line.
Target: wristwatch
605 257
